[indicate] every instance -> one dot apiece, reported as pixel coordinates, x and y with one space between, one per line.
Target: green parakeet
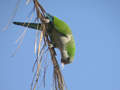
60 35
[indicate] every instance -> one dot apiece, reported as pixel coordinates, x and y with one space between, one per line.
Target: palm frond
59 83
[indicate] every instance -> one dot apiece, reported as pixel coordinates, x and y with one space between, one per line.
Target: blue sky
96 28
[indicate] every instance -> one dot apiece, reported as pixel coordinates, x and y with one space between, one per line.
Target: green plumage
61 26
70 47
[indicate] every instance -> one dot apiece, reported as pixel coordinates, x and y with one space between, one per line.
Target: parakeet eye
68 58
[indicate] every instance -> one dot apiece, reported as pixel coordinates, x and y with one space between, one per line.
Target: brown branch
58 78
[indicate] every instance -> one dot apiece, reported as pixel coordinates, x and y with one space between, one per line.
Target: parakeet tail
29 25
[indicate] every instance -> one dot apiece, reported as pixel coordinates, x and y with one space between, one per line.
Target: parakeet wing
61 26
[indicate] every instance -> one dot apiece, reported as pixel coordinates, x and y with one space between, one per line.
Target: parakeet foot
51 45
46 20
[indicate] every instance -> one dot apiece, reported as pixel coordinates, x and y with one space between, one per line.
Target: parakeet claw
46 20
50 45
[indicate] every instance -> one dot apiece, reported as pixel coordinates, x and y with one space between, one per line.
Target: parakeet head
66 60
50 17
69 53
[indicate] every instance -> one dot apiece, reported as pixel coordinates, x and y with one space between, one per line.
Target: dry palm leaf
59 83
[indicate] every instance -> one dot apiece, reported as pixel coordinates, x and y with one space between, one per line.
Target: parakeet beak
65 60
